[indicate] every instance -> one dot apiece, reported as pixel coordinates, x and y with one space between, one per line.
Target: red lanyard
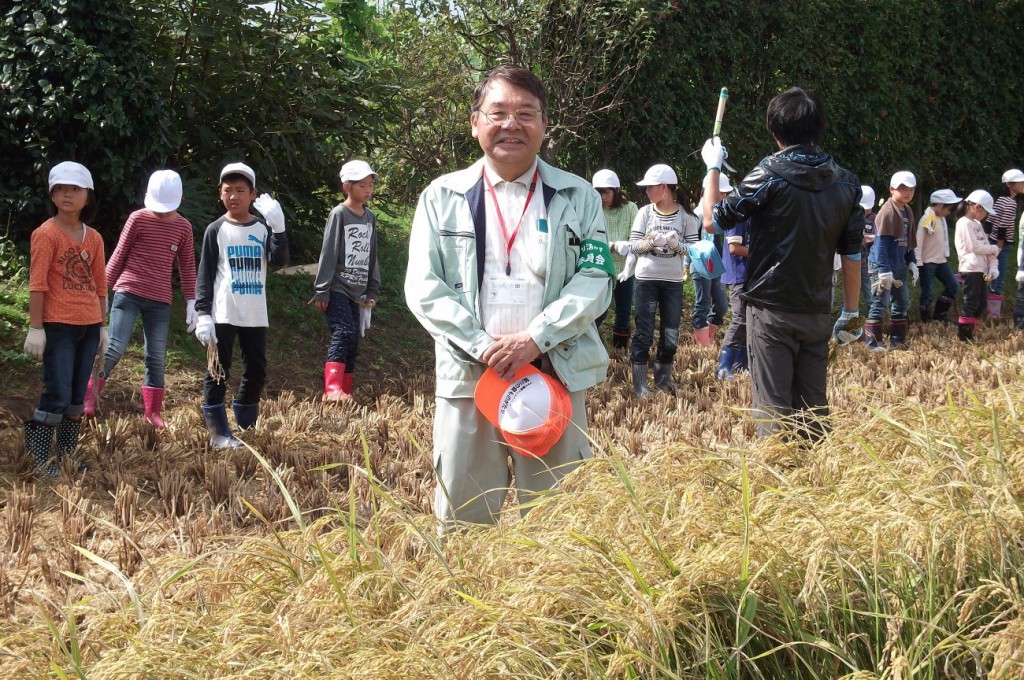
509 240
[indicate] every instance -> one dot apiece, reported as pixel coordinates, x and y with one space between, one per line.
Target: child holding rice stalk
231 298
978 259
348 277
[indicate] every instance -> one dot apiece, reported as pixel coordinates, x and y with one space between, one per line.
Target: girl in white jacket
977 258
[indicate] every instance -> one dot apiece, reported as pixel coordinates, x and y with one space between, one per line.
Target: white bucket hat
606 179
354 171
724 186
982 198
239 169
658 174
70 173
163 195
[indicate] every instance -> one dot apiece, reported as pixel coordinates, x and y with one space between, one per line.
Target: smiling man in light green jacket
508 265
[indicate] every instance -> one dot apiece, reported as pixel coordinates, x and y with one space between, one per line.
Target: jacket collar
461 181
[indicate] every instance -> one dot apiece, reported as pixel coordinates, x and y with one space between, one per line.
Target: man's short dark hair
516 75
796 116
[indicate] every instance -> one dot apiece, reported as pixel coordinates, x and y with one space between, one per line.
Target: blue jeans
709 302
67 365
1004 254
666 299
944 273
156 322
343 320
896 298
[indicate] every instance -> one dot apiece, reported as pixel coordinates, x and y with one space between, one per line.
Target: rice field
685 549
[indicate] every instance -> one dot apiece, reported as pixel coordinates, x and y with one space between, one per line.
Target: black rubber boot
245 415
965 329
926 313
620 340
942 307
640 381
663 377
67 441
38 442
898 333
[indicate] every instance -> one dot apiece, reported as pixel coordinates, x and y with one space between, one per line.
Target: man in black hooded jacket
803 209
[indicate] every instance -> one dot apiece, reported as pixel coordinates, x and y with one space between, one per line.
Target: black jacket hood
805 167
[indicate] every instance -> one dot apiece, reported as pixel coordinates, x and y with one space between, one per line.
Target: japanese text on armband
596 255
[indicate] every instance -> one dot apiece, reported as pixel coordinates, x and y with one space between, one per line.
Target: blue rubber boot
726 363
742 361
220 432
245 415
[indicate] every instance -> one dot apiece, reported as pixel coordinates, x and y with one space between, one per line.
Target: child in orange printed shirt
67 306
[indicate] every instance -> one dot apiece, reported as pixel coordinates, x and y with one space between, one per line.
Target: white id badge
507 290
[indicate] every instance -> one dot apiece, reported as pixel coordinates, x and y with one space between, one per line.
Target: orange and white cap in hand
531 410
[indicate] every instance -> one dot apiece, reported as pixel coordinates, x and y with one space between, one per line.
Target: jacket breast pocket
458 259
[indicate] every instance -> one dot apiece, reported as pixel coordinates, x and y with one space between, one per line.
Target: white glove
621 247
104 341
843 331
672 240
628 268
35 343
365 311
271 211
713 153
191 317
915 273
206 332
885 282
1020 276
660 239
992 274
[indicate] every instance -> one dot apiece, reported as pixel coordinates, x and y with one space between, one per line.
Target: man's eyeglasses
523 116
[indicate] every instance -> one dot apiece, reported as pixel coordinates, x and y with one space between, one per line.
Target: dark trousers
622 303
974 295
788 368
343 320
252 342
664 299
736 334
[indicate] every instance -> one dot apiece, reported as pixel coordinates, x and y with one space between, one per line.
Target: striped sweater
143 261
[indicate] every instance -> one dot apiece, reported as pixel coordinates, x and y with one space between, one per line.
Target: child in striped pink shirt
140 273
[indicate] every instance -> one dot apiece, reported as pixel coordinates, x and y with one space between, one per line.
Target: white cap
163 195
867 197
239 169
605 179
903 178
944 196
982 198
723 183
71 173
1013 175
353 171
658 174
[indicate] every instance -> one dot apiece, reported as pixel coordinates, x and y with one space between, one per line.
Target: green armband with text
597 255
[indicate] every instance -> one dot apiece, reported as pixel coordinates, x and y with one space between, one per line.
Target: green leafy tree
77 83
